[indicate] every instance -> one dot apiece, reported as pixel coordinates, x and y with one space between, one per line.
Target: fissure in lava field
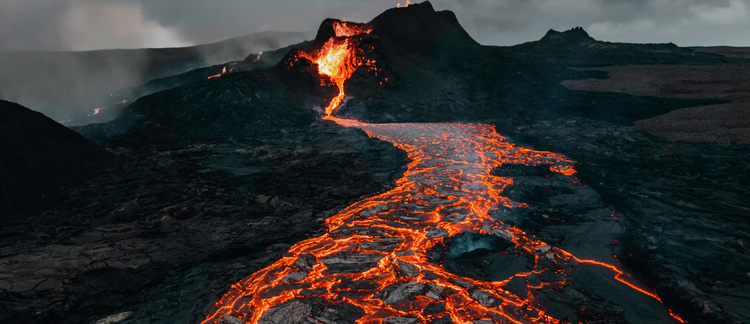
374 266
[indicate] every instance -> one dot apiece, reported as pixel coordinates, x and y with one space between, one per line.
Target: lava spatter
223 71
339 57
374 255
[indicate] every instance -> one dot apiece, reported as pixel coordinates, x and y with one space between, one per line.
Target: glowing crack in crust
380 243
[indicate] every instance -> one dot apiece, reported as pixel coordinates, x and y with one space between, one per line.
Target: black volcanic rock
431 79
418 28
252 62
163 234
575 47
235 105
41 159
80 81
575 35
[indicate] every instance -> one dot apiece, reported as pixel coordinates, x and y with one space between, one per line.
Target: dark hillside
40 160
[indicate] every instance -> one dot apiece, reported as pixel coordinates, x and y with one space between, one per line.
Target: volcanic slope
216 179
234 105
40 159
430 73
63 84
117 100
421 66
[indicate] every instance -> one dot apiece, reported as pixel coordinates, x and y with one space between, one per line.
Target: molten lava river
374 260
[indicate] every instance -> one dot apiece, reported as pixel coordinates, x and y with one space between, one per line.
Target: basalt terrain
70 85
396 171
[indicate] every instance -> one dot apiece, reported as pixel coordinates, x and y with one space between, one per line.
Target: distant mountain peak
420 26
574 35
414 28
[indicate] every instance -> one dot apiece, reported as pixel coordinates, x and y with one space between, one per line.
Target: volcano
397 171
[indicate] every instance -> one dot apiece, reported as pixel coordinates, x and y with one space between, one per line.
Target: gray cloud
31 24
88 24
684 22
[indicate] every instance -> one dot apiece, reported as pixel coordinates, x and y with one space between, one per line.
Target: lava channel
374 255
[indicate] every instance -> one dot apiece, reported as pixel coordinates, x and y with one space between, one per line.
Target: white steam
90 25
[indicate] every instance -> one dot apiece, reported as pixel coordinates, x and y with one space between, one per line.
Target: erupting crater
339 57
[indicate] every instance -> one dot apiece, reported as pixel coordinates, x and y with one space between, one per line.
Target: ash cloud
76 25
90 25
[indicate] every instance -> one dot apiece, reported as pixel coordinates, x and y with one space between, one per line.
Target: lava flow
339 57
374 255
373 265
223 71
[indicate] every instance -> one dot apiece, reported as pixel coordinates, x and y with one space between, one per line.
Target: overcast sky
99 24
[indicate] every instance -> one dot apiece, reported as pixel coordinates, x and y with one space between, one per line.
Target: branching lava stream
374 256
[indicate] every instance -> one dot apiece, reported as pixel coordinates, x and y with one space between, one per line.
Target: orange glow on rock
563 169
337 62
677 317
347 29
96 111
340 57
398 5
224 70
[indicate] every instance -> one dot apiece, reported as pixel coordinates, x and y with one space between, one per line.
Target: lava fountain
339 57
372 264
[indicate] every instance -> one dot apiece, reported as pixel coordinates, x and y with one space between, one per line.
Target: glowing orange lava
257 58
339 57
224 70
447 190
345 29
398 5
675 316
96 111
